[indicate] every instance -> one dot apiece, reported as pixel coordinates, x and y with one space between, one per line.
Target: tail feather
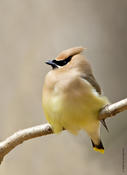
99 147
104 124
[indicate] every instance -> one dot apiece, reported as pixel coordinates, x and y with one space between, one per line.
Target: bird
72 98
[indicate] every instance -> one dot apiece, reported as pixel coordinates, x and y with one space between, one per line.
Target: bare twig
113 109
19 137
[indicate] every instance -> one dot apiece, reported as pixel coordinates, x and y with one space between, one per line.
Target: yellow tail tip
99 150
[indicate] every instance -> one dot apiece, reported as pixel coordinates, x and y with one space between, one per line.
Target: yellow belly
73 111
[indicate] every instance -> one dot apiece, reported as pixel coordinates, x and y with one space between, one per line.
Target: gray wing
91 79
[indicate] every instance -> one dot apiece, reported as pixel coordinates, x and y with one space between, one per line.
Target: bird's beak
51 63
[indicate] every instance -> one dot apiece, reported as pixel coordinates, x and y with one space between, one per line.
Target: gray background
32 31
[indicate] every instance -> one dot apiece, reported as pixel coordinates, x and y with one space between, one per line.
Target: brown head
65 57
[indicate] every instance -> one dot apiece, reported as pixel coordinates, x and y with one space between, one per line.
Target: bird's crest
69 52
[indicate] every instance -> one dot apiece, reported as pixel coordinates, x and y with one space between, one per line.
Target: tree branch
113 109
19 137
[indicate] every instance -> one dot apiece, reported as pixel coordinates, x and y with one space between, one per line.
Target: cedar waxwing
72 97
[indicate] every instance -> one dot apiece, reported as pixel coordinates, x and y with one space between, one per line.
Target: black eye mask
62 62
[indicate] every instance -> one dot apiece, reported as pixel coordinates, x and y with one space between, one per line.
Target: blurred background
33 31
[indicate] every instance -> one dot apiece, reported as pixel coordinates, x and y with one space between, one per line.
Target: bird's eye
62 62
